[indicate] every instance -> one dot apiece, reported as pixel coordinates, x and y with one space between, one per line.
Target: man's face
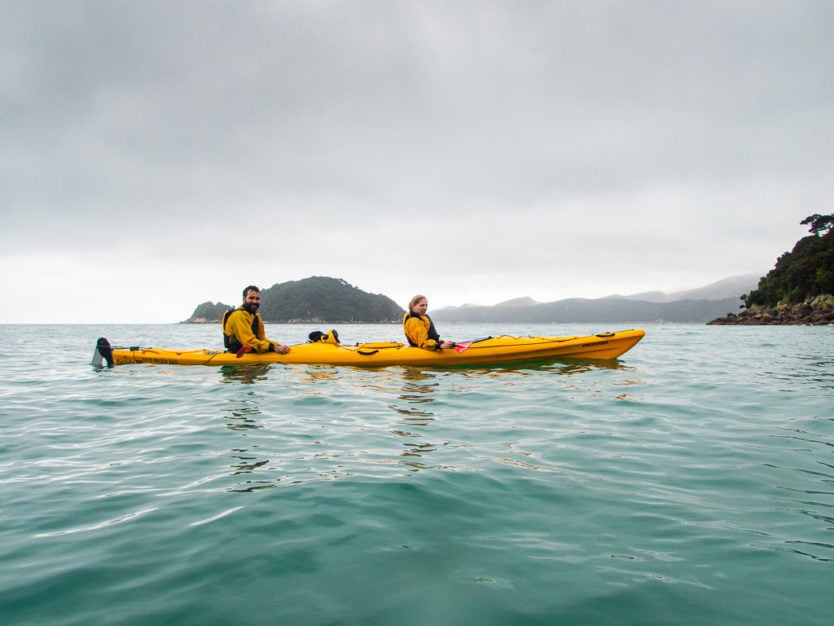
252 301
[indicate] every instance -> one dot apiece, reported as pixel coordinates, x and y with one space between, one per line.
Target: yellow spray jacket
239 327
420 331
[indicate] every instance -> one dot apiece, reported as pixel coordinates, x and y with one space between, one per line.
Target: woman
418 327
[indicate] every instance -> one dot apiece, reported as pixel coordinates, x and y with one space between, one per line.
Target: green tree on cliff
804 272
820 224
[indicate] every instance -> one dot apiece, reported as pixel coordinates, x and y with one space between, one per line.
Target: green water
689 482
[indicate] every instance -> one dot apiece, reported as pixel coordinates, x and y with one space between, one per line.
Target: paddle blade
463 345
243 351
103 352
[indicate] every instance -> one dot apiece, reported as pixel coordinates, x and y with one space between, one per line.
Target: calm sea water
689 482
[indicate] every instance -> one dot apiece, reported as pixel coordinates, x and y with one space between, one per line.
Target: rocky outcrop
815 311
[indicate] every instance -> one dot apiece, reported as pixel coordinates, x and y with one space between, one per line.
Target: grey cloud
352 113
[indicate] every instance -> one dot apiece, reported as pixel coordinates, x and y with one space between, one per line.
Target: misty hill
517 302
316 299
696 306
600 310
730 287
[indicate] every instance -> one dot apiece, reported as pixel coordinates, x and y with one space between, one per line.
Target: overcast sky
156 155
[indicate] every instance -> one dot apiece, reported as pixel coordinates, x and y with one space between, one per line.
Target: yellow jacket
420 331
239 327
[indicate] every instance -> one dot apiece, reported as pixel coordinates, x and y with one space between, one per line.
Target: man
243 328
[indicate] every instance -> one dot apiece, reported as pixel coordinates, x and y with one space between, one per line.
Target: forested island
798 290
316 299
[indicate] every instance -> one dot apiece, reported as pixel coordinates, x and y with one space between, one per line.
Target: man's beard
252 307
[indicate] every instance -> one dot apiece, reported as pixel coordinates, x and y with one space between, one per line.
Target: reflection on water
246 463
247 374
416 397
253 485
321 374
574 366
582 367
243 417
418 389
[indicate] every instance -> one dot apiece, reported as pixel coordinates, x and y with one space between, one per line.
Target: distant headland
798 290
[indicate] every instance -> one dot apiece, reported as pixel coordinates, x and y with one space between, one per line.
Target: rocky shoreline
817 311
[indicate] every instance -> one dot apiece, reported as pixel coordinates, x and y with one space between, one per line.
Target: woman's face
420 307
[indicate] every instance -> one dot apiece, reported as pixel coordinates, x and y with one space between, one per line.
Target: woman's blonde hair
415 299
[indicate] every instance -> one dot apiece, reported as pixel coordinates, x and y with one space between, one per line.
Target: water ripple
657 488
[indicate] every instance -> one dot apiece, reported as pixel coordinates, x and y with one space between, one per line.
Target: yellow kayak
486 351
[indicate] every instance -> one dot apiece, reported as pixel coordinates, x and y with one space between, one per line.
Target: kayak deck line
485 351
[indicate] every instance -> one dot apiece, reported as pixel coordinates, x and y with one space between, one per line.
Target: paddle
103 352
460 346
